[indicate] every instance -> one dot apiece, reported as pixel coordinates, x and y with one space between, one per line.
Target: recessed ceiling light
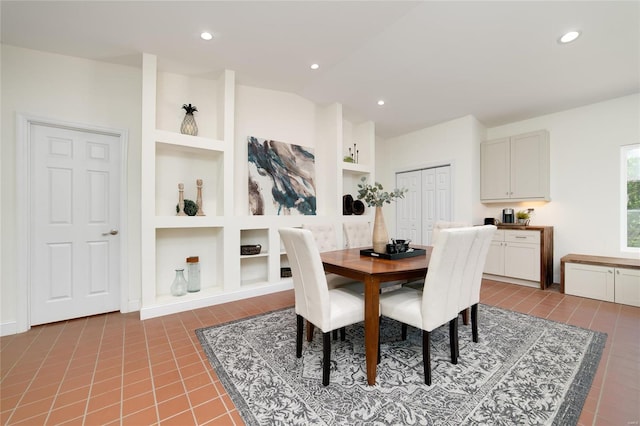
315 66
380 102
569 37
206 36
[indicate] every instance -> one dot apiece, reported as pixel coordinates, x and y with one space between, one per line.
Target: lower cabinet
522 254
603 282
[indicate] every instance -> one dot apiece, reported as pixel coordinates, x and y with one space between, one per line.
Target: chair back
444 282
474 268
324 236
358 234
310 288
441 224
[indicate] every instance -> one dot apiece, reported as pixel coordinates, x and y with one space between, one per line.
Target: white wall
268 114
585 175
456 142
75 90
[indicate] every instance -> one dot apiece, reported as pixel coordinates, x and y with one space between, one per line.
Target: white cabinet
515 168
522 255
594 282
599 278
516 254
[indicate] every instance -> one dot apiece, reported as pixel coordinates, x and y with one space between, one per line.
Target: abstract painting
281 178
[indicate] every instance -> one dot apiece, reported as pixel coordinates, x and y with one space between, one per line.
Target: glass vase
179 285
193 271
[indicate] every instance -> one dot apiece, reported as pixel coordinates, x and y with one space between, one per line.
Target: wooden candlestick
199 198
181 200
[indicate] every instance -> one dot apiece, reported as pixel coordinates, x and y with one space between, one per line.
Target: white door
408 209
75 255
428 200
436 199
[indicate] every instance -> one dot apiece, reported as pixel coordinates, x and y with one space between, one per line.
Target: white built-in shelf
197 142
251 256
356 167
189 221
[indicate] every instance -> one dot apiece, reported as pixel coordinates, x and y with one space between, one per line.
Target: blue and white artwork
281 178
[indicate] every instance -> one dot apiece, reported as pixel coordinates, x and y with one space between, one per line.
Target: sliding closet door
436 199
408 209
428 201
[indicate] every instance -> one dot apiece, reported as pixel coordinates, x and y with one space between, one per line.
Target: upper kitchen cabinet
515 168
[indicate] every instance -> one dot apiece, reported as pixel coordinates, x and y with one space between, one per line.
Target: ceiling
430 61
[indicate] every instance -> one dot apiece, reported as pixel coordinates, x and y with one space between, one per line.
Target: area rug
523 371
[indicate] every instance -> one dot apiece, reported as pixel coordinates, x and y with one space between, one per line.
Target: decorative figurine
181 200
199 198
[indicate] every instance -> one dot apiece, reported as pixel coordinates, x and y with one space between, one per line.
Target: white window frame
623 198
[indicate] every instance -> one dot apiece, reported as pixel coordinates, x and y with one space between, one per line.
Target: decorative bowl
250 249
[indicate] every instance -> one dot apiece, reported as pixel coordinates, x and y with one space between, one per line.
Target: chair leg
343 334
426 356
465 316
299 330
379 328
404 331
474 322
326 357
453 340
309 331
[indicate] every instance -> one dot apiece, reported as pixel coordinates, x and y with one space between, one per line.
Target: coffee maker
508 216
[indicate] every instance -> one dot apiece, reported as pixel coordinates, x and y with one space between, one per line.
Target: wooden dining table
373 271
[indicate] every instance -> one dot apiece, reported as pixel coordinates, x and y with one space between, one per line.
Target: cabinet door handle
610 271
521 237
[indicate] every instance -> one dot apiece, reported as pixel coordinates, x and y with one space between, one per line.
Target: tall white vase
380 236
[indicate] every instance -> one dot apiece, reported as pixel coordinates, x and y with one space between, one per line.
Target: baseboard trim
8 328
153 311
501 278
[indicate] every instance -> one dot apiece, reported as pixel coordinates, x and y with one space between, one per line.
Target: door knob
112 232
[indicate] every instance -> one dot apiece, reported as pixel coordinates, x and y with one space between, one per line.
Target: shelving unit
254 269
169 158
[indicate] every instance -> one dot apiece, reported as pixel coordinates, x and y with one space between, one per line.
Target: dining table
372 271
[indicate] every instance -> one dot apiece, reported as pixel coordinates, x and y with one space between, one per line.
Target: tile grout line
93 376
35 374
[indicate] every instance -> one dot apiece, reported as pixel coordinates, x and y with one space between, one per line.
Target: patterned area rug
524 371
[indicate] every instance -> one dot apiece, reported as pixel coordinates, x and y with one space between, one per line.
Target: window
630 166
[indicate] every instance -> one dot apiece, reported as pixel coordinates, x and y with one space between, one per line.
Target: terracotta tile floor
114 369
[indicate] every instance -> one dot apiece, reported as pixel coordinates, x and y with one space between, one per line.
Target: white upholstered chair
327 309
470 294
358 234
439 302
441 224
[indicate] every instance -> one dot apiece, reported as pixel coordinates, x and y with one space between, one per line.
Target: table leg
371 326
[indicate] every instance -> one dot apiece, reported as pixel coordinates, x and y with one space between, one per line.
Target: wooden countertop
524 227
601 260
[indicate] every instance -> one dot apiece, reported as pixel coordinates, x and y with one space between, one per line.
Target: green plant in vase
523 217
375 196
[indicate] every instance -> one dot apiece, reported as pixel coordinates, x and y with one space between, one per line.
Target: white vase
380 236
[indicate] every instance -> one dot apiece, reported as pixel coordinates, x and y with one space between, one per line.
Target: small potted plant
523 217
